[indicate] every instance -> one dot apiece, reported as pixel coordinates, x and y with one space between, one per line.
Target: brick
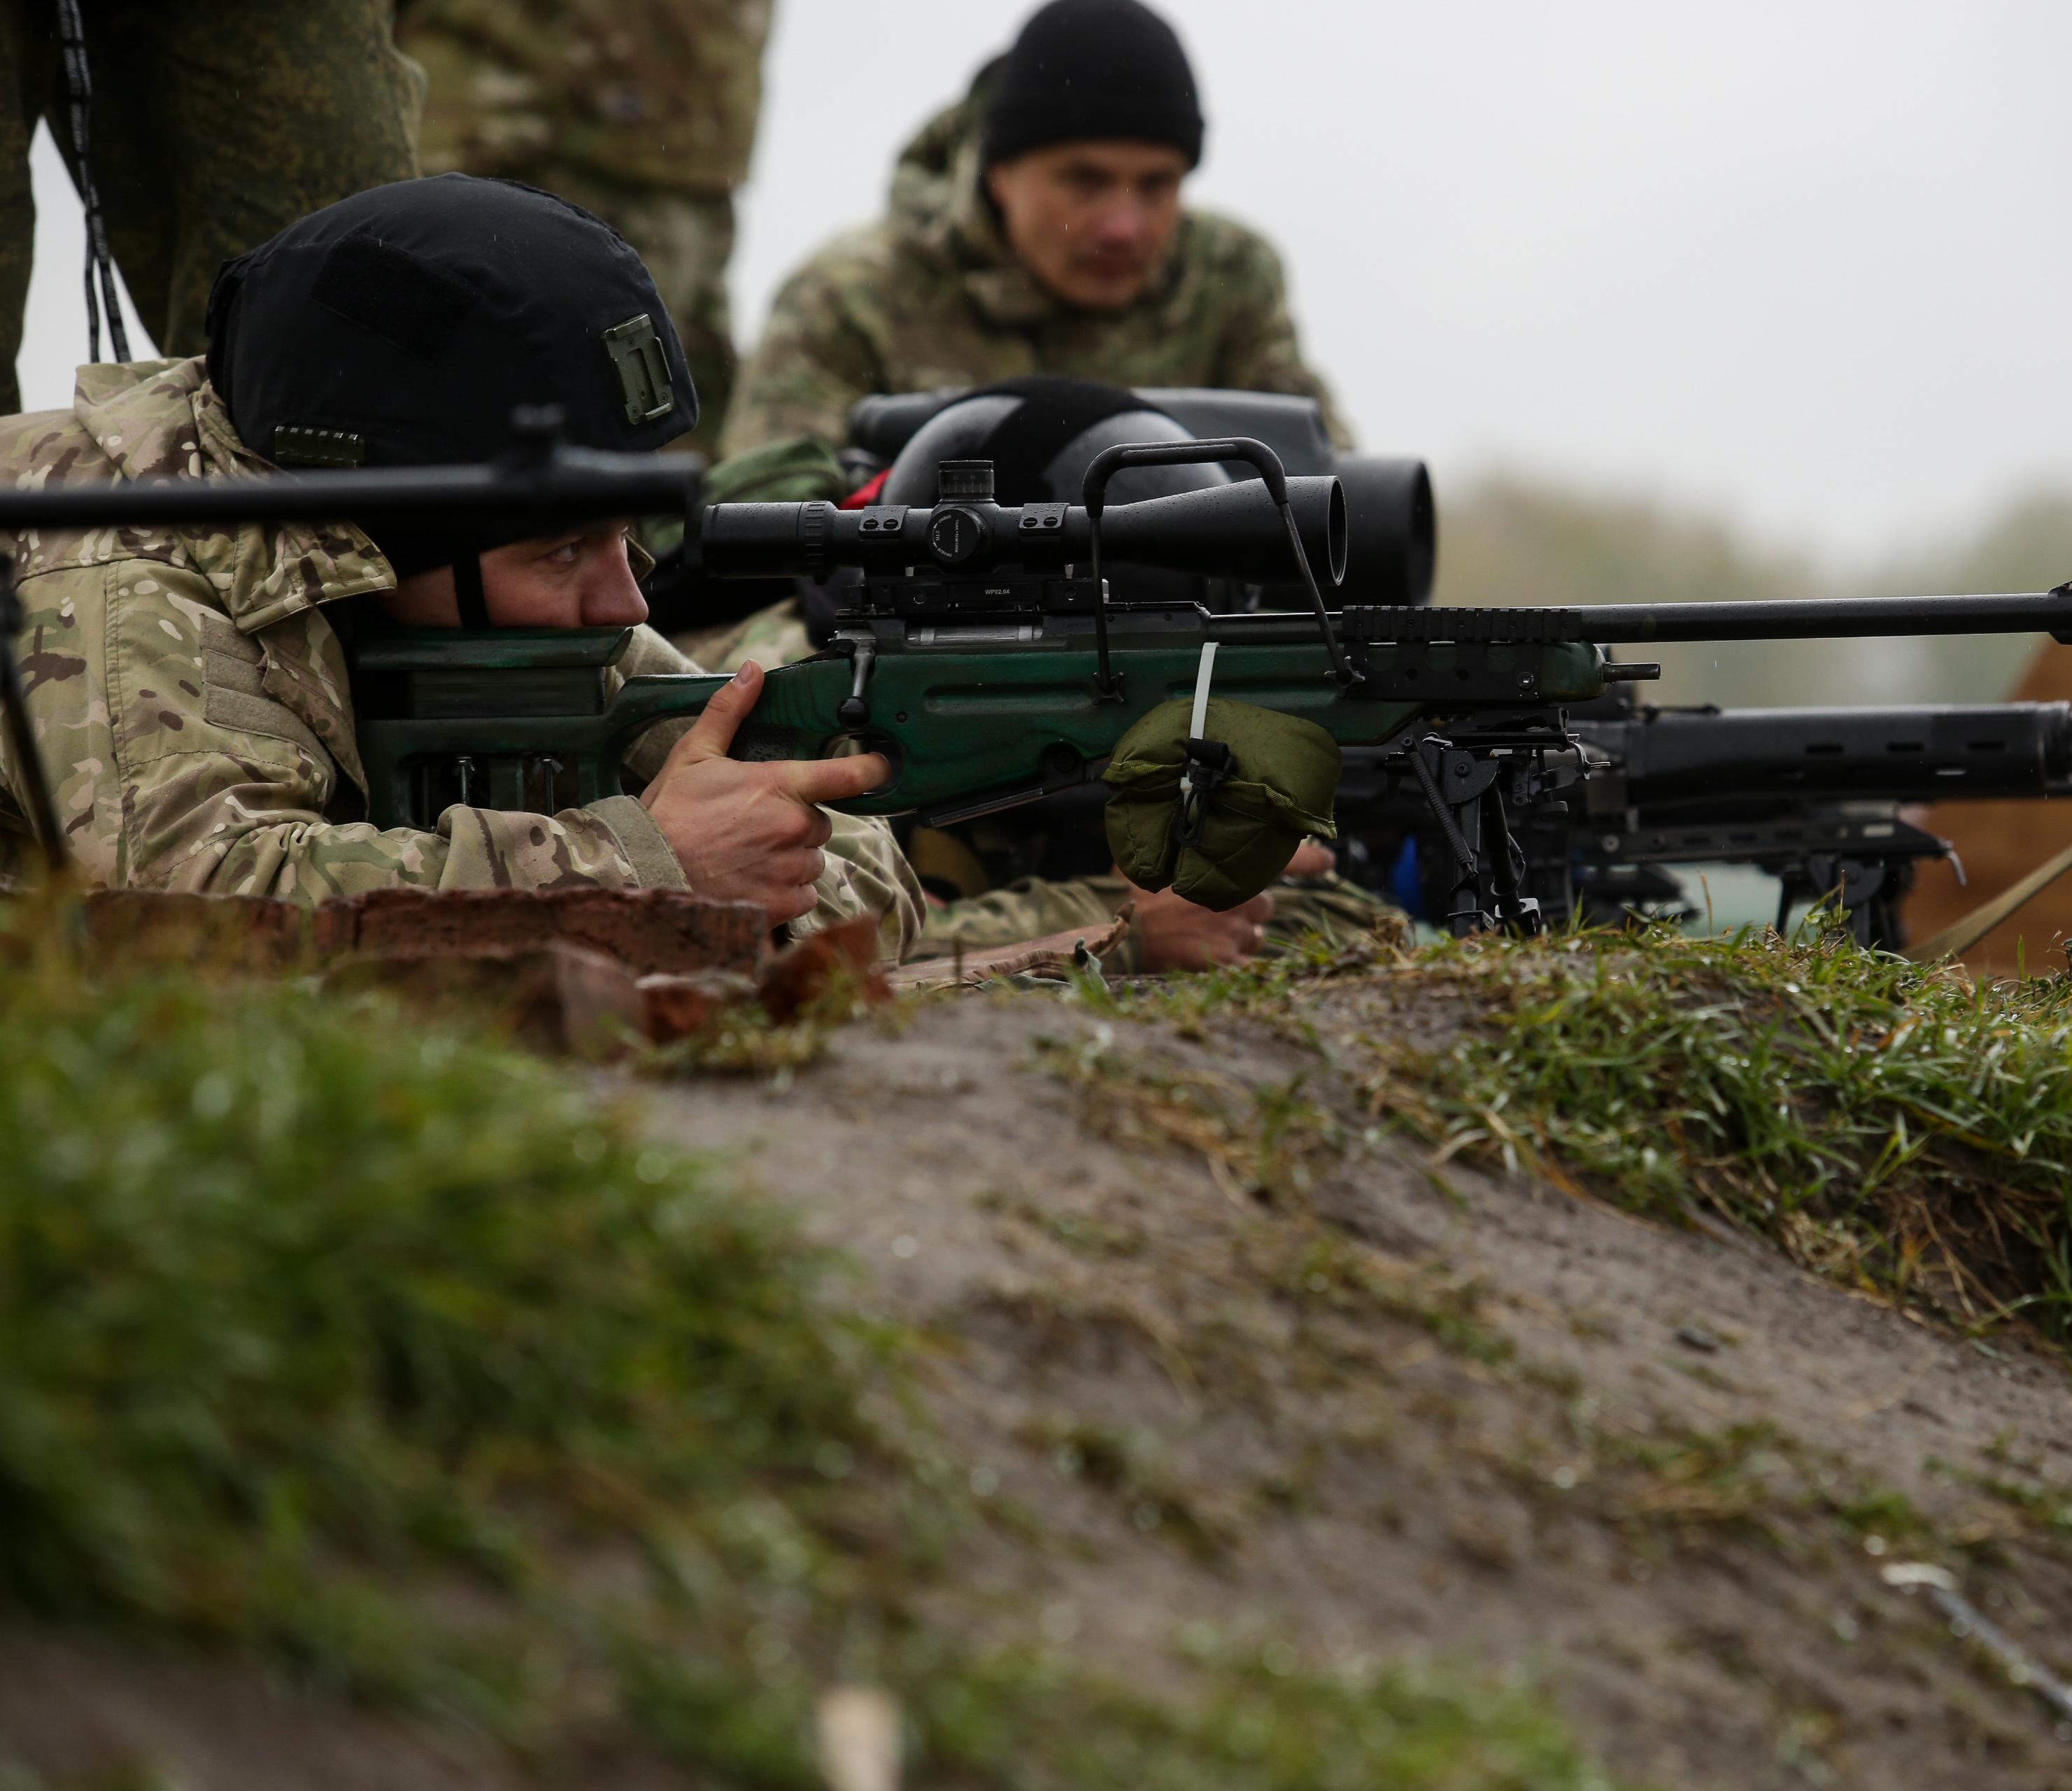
237 933
800 974
653 932
558 996
674 1007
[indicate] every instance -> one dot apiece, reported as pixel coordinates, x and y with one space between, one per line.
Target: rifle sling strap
1961 936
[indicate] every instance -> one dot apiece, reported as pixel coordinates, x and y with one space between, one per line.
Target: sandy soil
1372 1406
1352 1475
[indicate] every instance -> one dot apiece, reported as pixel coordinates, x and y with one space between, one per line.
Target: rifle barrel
1913 753
1830 618
568 484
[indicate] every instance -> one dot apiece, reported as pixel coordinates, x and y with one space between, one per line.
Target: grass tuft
1265 1720
1897 1126
302 1304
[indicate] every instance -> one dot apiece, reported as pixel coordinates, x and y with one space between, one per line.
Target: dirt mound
1238 1371
1277 1377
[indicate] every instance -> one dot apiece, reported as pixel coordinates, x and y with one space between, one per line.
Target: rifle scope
1227 531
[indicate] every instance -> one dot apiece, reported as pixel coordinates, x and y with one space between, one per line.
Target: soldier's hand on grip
751 833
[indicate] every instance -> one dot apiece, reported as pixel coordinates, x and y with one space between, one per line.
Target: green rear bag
1281 786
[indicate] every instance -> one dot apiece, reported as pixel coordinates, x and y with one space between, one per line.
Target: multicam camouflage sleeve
815 359
1032 908
177 766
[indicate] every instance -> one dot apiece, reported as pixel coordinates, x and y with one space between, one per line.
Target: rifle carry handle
1093 494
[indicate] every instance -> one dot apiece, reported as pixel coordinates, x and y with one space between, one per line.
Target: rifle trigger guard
853 712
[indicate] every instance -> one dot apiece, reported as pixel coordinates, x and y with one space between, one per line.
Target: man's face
577 578
1092 222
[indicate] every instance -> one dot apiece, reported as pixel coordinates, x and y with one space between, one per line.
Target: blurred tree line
1510 539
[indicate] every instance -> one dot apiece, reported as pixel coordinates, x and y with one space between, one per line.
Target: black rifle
1814 797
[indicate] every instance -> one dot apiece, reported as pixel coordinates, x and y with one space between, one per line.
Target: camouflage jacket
660 95
932 297
193 709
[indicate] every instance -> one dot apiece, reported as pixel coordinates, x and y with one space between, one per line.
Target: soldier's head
1091 125
403 327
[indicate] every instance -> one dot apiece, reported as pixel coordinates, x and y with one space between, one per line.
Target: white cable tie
1204 677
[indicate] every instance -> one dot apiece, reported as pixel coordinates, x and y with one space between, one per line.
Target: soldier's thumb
711 735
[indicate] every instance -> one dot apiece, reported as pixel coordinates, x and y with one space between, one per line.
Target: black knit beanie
1093 70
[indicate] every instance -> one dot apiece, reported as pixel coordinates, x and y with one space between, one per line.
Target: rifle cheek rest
1273 784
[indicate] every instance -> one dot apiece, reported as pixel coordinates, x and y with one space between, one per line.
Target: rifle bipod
1867 889
1463 789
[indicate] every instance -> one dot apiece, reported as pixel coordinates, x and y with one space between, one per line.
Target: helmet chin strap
467 592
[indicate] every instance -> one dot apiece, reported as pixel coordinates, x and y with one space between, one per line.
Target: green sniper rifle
979 652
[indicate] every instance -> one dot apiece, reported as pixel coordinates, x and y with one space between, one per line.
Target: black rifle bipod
21 731
1867 892
1487 892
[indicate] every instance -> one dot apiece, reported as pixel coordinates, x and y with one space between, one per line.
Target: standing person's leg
28 42
641 111
219 122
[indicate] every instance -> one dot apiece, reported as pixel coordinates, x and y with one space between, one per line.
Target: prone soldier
189 687
1035 227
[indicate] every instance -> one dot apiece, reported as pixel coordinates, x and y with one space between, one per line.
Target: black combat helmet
1041 434
404 326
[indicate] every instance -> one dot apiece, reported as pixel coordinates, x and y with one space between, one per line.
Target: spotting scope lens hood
1394 550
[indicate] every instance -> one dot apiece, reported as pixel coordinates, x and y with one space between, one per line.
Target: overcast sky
1807 262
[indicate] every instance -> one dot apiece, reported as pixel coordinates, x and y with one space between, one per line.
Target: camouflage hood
158 419
939 208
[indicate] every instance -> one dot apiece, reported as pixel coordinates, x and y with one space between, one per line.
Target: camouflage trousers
686 239
216 124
